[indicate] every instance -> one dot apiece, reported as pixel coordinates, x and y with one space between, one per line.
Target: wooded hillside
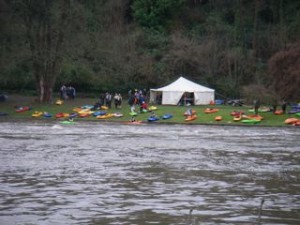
240 48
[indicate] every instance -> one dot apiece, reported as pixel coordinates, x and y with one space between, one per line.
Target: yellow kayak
37 114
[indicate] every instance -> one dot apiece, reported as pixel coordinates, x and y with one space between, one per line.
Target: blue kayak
167 116
153 118
99 113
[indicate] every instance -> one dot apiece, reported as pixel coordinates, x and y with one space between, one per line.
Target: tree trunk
45 37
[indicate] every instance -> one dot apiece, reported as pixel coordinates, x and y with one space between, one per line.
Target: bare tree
284 69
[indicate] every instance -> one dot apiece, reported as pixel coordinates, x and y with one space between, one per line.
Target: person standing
256 103
108 98
283 106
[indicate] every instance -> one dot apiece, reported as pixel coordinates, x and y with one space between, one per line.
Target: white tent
173 93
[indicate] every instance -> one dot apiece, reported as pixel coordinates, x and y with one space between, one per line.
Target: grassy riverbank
177 111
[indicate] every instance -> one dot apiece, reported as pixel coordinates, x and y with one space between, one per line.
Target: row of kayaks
74 114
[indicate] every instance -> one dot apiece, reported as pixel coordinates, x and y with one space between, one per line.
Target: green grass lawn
176 111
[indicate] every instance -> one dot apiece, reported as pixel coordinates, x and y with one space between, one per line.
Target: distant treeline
240 48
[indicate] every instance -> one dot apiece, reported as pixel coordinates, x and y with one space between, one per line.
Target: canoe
210 110
37 114
22 109
190 118
297 114
106 116
167 116
218 118
291 120
153 118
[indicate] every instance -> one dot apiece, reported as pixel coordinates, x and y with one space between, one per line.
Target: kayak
190 118
99 113
297 114
22 109
167 116
293 111
59 102
3 114
250 121
83 115
134 122
87 107
291 120
132 113
256 117
153 118
37 114
73 115
278 112
61 115
117 114
152 108
262 109
189 112
237 118
104 107
47 115
67 122
210 110
218 118
236 113
106 116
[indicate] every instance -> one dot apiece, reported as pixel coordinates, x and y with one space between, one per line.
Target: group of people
256 105
105 99
137 97
67 92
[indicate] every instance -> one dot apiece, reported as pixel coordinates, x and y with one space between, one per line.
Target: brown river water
108 173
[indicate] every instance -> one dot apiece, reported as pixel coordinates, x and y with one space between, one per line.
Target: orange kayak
218 118
210 110
190 118
291 121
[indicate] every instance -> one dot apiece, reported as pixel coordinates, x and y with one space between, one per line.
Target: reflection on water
92 173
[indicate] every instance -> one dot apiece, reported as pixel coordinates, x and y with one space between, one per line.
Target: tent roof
184 85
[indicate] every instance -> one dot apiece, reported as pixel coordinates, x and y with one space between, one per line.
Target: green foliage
156 14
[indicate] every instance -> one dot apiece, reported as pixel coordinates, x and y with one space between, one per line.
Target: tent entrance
187 98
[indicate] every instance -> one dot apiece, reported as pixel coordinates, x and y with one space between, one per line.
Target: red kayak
22 109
